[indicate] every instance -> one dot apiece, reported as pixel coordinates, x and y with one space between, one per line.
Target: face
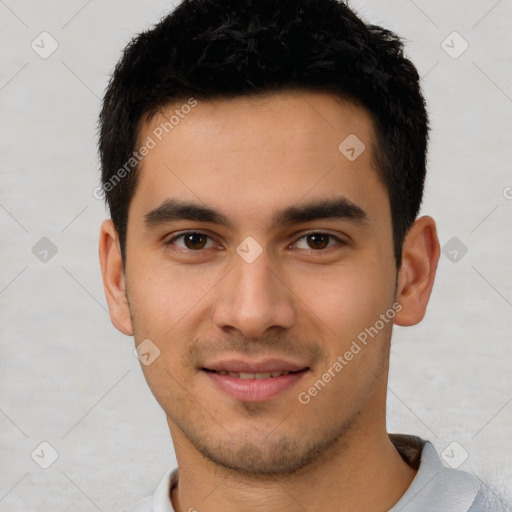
258 253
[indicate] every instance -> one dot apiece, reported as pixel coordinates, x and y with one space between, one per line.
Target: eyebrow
338 208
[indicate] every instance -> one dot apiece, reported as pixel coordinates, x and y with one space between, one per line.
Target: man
263 163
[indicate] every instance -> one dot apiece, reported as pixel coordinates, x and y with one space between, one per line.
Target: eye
192 241
318 241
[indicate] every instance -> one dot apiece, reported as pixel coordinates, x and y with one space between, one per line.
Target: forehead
254 153
300 117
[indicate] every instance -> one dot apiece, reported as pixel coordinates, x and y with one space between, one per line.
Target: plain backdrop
69 380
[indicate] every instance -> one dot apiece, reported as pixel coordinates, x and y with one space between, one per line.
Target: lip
254 390
266 365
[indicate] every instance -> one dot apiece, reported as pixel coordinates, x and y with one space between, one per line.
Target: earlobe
114 278
420 255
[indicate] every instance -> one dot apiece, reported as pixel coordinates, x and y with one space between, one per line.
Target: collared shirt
435 487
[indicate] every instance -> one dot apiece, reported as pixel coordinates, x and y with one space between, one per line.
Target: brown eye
318 240
193 241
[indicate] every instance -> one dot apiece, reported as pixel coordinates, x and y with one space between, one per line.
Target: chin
264 458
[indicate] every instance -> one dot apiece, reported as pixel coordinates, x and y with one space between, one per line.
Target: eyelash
186 233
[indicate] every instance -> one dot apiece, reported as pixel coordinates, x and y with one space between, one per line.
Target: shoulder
488 500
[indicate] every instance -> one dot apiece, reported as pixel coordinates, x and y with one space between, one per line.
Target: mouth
251 375
254 382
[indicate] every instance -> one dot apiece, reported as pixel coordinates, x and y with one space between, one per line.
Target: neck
363 473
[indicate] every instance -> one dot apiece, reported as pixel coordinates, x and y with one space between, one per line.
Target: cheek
346 298
164 301
349 303
163 294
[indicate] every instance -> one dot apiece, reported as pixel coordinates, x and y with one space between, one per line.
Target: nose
253 298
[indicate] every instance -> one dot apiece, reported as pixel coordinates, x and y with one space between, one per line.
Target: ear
113 276
420 255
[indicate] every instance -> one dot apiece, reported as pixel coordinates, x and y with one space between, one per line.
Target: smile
250 383
250 376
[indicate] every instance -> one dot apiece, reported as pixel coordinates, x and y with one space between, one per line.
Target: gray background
68 378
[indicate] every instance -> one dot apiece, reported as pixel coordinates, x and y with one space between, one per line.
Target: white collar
436 487
161 501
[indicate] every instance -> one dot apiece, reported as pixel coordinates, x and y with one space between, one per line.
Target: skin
299 300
